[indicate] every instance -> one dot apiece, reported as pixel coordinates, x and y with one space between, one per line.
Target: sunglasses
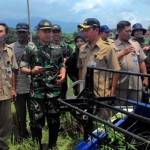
56 31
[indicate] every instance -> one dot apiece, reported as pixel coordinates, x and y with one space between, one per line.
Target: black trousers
41 109
5 122
22 103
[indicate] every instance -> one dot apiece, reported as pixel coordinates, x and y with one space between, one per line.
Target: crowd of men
34 74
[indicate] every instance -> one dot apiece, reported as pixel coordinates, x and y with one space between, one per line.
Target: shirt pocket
101 62
5 81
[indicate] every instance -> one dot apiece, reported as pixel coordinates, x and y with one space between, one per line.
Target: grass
65 142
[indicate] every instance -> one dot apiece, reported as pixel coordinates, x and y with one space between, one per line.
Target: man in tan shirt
131 58
97 53
7 85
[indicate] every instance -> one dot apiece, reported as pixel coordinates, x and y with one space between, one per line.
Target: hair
79 35
6 27
122 24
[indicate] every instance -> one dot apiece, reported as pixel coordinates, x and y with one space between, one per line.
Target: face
45 35
138 33
104 35
125 33
2 33
79 42
56 35
90 33
23 36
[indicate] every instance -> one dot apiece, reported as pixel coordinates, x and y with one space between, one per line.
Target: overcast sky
107 11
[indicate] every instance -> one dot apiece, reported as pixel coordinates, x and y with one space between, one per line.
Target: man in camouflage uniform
7 85
47 70
57 43
138 33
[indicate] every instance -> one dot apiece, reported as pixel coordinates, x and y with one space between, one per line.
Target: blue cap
22 27
105 28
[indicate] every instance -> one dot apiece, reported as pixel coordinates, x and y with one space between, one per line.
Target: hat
105 28
56 27
89 22
44 24
22 27
137 26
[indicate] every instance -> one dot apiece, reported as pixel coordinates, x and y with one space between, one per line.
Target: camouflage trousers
39 110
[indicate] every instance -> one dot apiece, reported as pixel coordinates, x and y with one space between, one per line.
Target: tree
11 37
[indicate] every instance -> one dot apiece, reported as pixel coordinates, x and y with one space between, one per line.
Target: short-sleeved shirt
130 63
22 80
102 55
43 85
7 65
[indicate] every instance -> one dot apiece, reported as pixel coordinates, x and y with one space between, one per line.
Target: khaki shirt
101 56
130 63
7 65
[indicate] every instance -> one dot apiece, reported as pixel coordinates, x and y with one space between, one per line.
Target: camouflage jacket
43 85
145 42
65 48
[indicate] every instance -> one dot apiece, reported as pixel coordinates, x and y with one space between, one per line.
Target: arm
125 51
13 92
35 70
62 75
144 70
114 85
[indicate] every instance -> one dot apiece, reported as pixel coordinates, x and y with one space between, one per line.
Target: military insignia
46 24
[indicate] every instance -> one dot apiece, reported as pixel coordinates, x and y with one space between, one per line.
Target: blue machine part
93 141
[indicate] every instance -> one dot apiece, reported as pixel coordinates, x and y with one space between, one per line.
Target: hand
145 82
128 50
146 48
37 70
112 92
61 79
13 94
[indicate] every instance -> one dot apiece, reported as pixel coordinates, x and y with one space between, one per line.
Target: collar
5 48
119 42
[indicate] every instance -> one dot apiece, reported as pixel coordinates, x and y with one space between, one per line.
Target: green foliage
68 38
11 37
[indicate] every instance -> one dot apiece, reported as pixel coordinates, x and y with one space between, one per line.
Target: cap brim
83 26
107 31
43 28
25 30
